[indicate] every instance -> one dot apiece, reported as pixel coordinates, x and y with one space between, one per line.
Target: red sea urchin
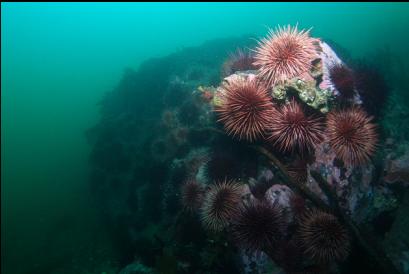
221 205
192 195
259 226
352 135
284 54
245 108
322 237
291 129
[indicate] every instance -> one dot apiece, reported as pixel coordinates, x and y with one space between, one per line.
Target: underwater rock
397 167
329 58
353 185
400 176
401 162
259 187
195 162
136 268
142 160
396 239
152 118
254 262
279 194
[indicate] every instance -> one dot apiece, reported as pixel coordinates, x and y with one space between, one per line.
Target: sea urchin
192 194
245 108
284 54
221 205
343 79
240 60
322 237
259 226
352 135
291 129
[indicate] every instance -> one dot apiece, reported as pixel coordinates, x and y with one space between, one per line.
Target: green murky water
57 63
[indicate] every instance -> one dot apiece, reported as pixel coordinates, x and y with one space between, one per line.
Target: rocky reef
235 157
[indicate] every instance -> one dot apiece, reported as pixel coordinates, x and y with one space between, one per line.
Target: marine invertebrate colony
245 108
221 205
291 129
352 135
284 54
322 237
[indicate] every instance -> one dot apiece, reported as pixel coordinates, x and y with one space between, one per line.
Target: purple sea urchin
259 226
322 237
343 79
221 205
192 195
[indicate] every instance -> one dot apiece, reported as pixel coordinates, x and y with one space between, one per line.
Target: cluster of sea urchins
246 108
248 111
261 225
